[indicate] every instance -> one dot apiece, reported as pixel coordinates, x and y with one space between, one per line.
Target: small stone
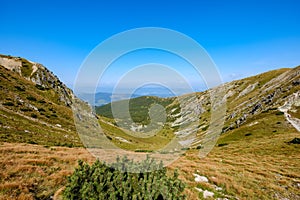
207 194
199 178
199 189
218 188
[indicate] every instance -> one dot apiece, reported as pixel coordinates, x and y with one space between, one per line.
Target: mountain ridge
246 98
35 105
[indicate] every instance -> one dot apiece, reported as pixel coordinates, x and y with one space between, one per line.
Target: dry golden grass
263 168
36 172
266 168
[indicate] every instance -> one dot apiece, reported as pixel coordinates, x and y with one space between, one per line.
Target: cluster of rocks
207 193
39 75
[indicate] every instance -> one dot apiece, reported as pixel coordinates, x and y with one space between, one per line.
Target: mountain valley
256 154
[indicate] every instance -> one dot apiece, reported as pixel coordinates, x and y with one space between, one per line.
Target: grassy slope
155 142
20 122
258 166
253 160
36 172
138 107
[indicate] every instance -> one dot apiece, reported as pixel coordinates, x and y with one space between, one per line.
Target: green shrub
26 68
42 101
8 103
31 142
100 181
143 150
19 88
222 144
33 115
31 98
41 110
279 113
205 128
185 149
40 87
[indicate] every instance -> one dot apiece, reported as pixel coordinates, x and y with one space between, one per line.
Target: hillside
261 96
35 106
255 157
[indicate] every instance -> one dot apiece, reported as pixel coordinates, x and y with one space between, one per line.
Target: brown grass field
266 168
34 171
261 169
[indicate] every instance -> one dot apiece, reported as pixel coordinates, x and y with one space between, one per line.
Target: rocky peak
38 74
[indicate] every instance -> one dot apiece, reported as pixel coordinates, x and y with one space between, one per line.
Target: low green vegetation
138 108
26 67
100 181
156 142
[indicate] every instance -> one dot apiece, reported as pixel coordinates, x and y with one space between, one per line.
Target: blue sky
242 37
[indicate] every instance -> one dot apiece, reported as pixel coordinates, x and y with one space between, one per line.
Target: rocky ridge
38 74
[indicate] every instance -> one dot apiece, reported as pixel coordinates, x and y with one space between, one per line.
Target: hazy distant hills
102 98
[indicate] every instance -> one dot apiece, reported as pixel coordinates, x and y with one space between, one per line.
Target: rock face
249 97
38 74
290 102
11 63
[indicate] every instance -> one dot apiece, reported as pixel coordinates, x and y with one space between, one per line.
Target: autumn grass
262 167
34 171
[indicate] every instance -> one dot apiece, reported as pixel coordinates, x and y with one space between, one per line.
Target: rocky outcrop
262 93
38 74
11 63
292 100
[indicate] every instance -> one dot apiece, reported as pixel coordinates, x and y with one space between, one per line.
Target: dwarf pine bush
100 181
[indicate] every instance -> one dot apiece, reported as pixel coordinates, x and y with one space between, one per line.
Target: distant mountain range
102 98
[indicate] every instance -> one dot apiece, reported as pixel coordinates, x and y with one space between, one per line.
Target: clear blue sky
243 37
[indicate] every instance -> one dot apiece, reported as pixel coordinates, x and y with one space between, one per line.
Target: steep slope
254 157
272 93
35 106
